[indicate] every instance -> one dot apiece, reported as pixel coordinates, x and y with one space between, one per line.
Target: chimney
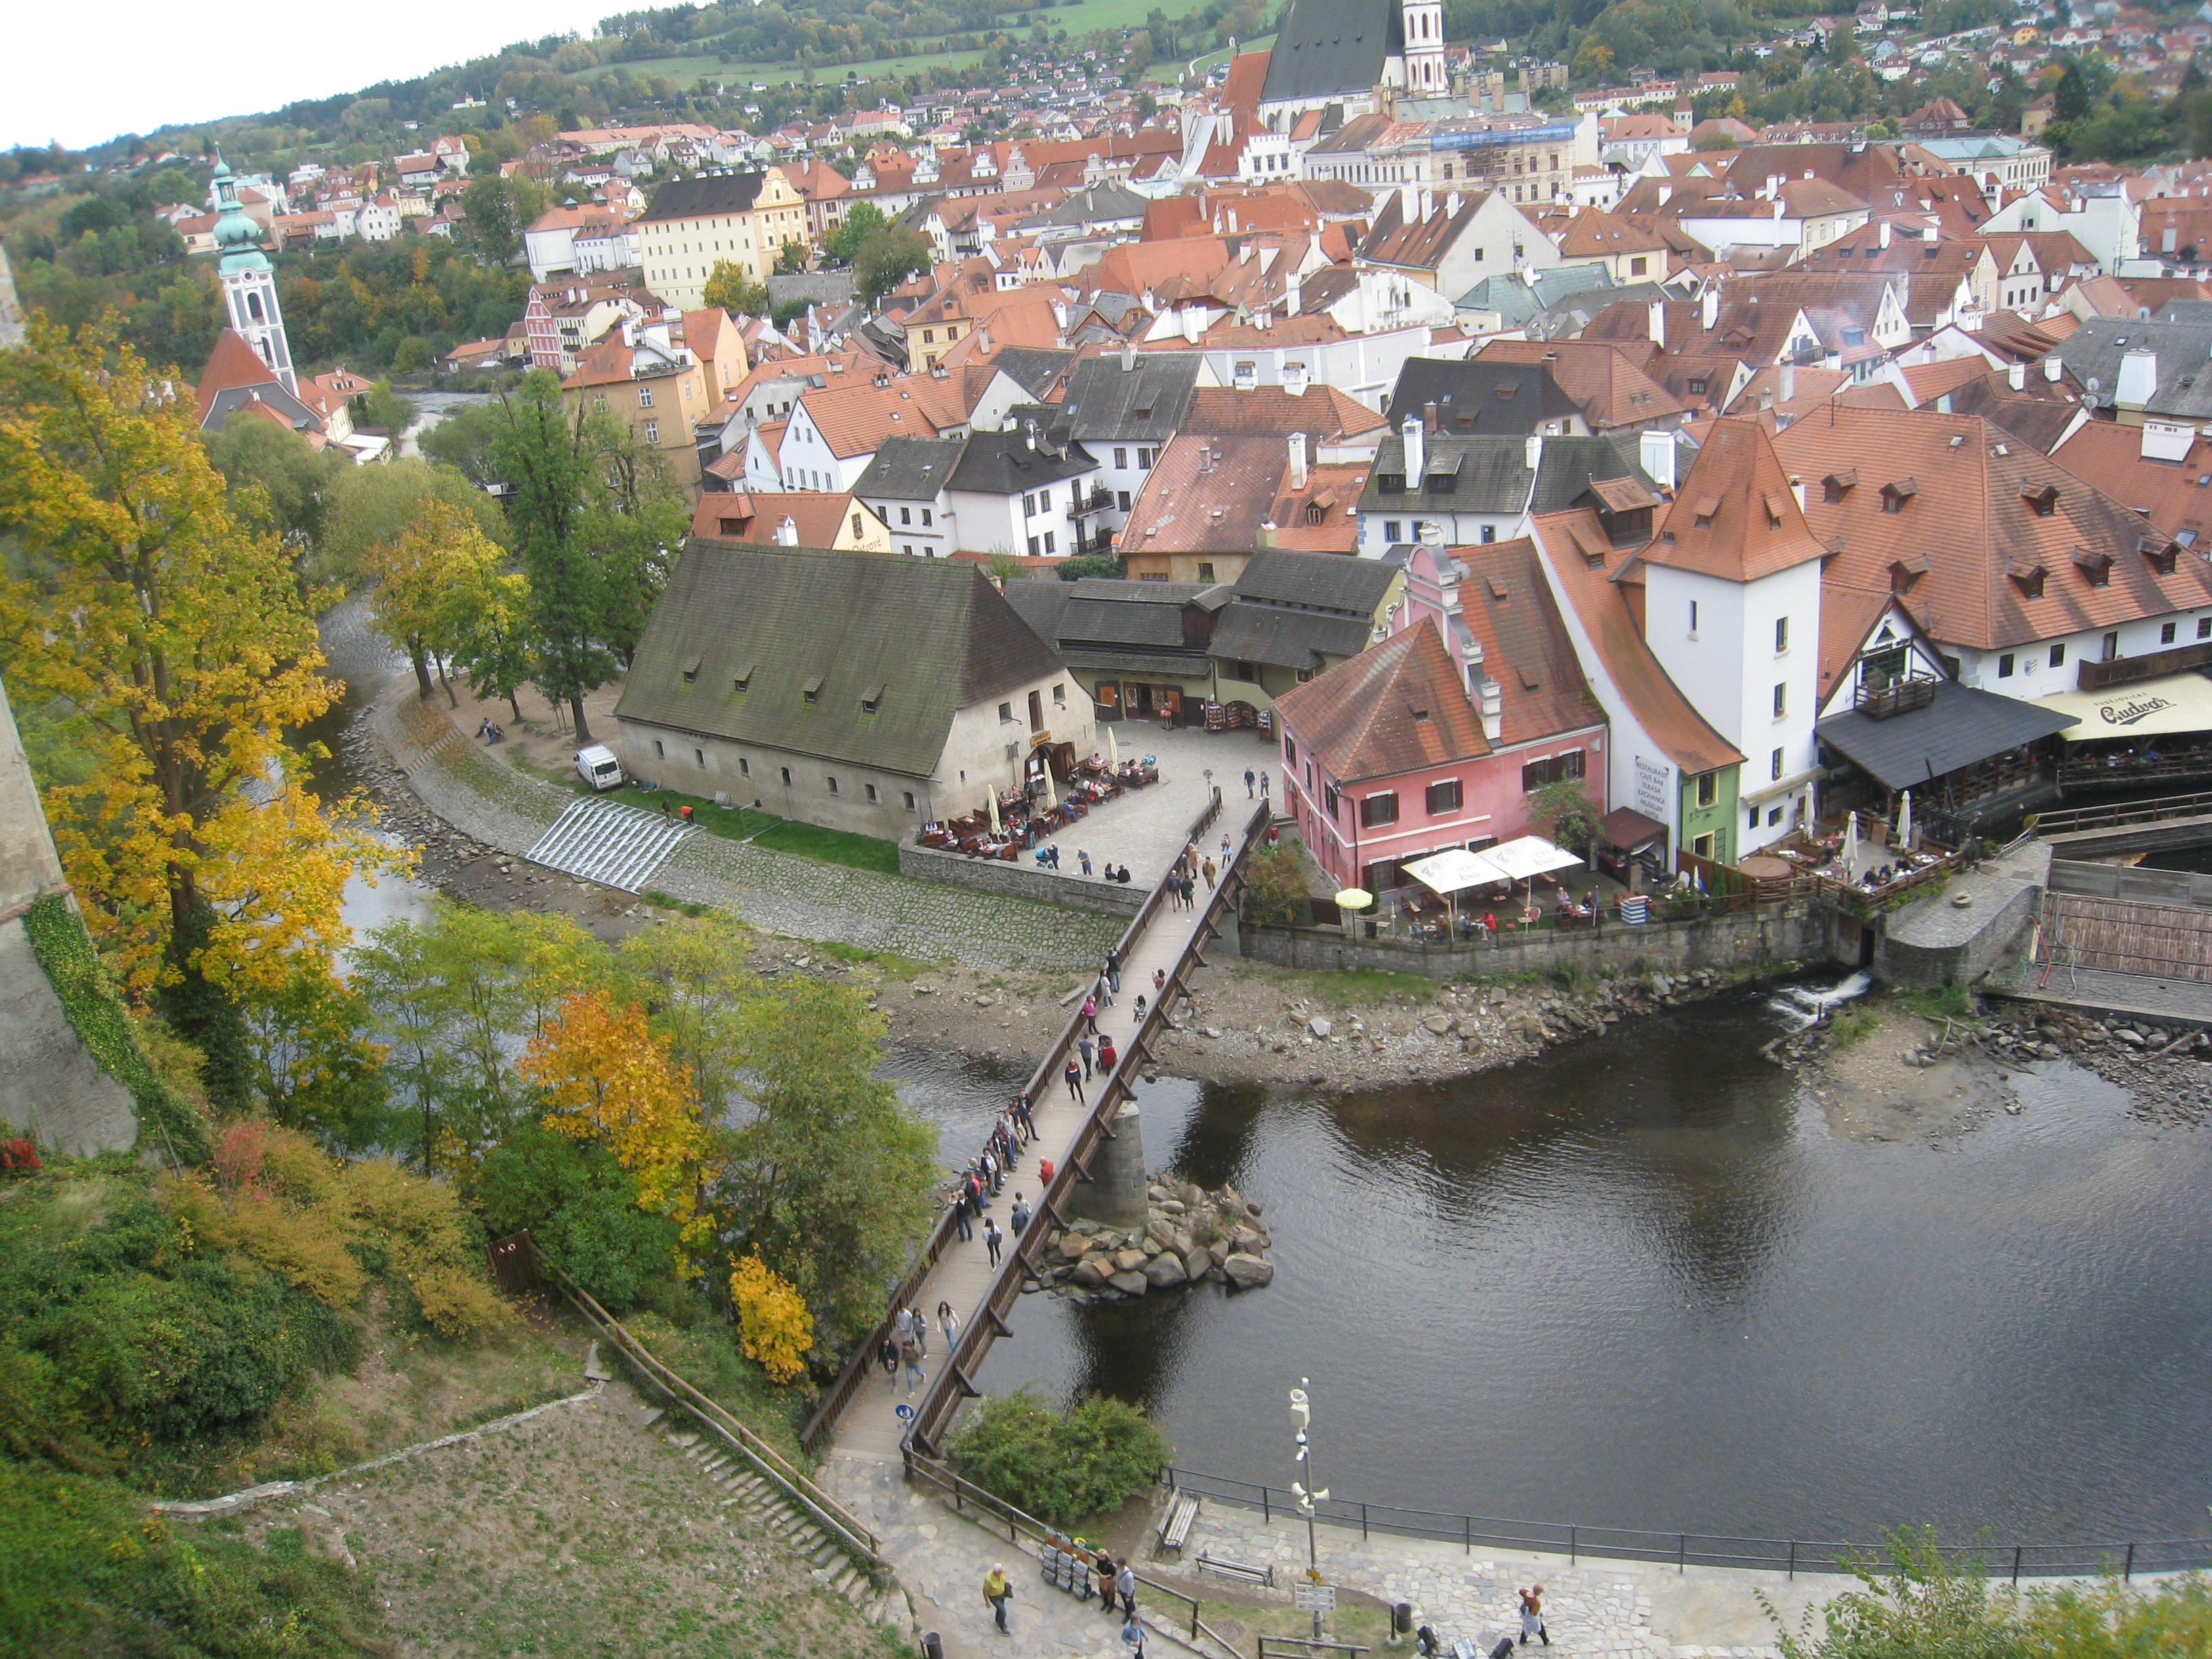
1029 436
1656 323
2138 379
1293 295
1708 309
1295 379
2016 376
1128 355
1787 375
1429 423
1533 450
786 533
1206 458
1797 489
1428 206
1409 199
1492 698
1417 454
1297 460
1451 205
1470 651
1656 454
1193 324
1774 191
1059 314
2053 367
1881 233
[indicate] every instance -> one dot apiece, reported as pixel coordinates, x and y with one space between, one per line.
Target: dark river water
1638 1283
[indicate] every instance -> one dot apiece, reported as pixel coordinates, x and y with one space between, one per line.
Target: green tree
1275 888
293 477
497 209
862 221
463 440
831 1178
1063 1468
790 259
369 508
886 260
728 288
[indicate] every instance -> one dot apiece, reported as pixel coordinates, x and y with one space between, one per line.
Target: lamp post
1301 1418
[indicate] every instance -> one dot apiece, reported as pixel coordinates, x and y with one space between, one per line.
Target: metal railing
1684 1550
2069 818
844 1527
954 1380
967 1496
2125 771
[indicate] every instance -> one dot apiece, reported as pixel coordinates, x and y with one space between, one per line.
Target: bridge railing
2121 813
1684 1550
954 1380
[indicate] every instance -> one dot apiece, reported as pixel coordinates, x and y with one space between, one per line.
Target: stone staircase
766 1504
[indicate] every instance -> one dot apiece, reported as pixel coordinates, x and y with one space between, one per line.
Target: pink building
1435 737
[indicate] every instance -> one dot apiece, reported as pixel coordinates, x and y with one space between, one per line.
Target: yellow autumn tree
773 1326
427 580
607 1078
182 645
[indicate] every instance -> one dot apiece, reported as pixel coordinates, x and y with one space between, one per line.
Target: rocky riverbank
2166 1068
1190 1237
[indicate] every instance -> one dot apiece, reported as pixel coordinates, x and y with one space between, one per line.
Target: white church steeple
249 286
1424 23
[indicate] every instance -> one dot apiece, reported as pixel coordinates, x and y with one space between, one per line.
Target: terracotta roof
1323 410
1601 378
1207 494
2174 496
1400 706
231 365
1421 245
1964 489
1602 609
1847 616
1507 606
854 420
821 516
1929 381
1734 516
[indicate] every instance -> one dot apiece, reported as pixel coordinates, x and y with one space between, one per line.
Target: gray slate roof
927 637
1084 208
713 192
1033 369
815 287
1332 48
1290 639
1961 727
2094 352
1143 404
1003 463
910 469
1491 475
1313 581
1500 398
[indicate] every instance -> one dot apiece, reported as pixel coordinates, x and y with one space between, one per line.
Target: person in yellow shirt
996 1589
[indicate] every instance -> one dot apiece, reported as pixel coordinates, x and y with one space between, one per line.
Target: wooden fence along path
861 1410
2120 936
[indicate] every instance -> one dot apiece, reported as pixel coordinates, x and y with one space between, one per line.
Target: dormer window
742 679
1315 513
2097 567
690 669
1705 510
2042 499
872 699
811 691
1837 485
2162 555
1902 573
1894 495
2028 574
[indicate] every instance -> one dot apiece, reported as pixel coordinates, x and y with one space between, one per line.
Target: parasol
992 801
1904 822
1113 752
1349 903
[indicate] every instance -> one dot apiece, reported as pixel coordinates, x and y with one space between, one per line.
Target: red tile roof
1734 516
1508 605
1400 706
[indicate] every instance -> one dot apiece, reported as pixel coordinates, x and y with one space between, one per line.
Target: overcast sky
131 65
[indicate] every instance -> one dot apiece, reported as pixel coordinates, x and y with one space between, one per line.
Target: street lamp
1301 1418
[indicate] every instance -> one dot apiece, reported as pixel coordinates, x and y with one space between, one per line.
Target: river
1638 1282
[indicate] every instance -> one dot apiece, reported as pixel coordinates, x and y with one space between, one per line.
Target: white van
598 766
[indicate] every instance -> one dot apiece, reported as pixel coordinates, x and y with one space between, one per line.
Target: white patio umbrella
1113 751
1850 858
1526 858
1450 872
1050 800
991 803
1904 822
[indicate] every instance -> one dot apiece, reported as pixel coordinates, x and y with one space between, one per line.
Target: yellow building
693 225
657 389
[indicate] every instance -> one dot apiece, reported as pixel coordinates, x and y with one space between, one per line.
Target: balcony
1880 703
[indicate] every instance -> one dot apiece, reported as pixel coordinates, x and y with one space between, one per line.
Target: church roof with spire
237 237
1331 49
1736 516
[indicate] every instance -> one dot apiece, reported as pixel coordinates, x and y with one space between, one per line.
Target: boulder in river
1163 1270
1245 1271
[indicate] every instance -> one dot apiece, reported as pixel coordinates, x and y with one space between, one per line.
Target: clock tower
249 286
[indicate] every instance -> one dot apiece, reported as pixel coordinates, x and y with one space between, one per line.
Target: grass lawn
1240 1623
778 835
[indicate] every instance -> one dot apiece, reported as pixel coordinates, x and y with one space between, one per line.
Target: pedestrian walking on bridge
996 1592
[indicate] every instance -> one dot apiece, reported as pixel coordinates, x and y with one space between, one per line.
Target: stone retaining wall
1076 892
1783 933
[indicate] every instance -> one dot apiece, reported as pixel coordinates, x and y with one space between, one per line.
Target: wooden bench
1175 1531
1237 1571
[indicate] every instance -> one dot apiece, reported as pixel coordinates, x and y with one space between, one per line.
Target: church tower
249 286
1423 22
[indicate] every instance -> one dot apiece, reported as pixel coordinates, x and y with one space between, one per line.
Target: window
1553 768
2112 647
1033 547
929 337
1205 571
1693 619
1773 817
2204 627
1709 790
1050 541
1290 751
2166 634
1775 766
1703 847
1120 458
1639 265
653 432
1375 810
856 524
645 396
1029 505
2059 655
907 548
833 785
1751 821
1122 500
1443 798
744 768
660 749
1059 697
1006 712
1393 531
1781 634
906 515
872 791
1489 534
909 800
700 754
1330 799
2004 666
1145 460
1781 701
785 770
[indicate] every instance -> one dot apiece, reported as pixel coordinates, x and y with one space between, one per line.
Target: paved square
1144 829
